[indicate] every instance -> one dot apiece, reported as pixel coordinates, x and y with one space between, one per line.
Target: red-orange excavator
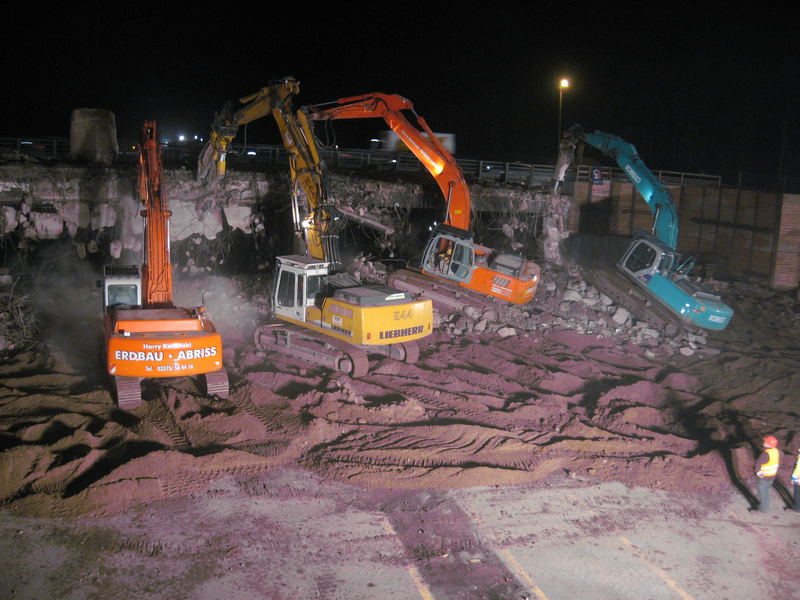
454 271
145 334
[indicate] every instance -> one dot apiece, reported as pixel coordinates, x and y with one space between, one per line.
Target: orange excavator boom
423 143
157 270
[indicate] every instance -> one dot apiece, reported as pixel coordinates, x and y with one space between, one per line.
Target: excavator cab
652 264
300 287
642 259
647 256
122 287
449 254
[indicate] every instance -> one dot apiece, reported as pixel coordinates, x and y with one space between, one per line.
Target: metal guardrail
255 156
584 173
40 147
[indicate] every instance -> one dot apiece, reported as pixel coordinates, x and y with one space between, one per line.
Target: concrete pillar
93 136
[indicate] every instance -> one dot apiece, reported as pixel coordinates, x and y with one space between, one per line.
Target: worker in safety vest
796 482
766 470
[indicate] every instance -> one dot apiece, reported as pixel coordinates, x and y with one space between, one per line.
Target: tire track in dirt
477 426
159 416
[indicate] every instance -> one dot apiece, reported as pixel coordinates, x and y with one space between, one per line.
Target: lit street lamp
563 84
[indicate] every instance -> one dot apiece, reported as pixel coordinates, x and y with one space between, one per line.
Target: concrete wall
93 205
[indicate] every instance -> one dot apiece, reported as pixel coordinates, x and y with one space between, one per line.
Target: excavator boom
654 193
315 223
157 270
424 144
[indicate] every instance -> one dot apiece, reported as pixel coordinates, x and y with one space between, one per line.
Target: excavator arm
226 123
655 193
157 270
314 221
422 142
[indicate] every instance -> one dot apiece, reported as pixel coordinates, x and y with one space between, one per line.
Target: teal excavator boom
654 193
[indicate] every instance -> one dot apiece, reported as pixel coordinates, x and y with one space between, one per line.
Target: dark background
700 90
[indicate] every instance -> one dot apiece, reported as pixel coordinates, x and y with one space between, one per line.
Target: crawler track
312 347
641 305
444 295
328 351
128 391
217 383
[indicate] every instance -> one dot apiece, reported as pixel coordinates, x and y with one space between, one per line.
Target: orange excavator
145 334
454 272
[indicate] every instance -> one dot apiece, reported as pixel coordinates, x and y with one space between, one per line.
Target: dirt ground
448 478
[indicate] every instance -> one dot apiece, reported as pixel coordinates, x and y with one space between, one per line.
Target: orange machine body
451 255
161 342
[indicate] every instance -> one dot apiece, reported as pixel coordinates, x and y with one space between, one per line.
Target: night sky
701 91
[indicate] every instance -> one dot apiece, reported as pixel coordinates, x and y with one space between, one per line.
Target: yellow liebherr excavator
326 317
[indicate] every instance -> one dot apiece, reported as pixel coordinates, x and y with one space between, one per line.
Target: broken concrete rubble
566 302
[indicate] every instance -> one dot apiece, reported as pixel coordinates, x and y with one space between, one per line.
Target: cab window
122 294
463 255
316 290
641 258
286 289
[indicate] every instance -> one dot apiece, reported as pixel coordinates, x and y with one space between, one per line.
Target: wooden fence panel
786 266
691 210
756 234
622 196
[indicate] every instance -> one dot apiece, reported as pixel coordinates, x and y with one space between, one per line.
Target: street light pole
563 84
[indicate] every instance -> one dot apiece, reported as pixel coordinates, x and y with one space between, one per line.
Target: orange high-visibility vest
770 468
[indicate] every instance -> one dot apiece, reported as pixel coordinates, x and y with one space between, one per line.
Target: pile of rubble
564 301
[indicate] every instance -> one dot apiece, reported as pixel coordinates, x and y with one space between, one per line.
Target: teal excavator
663 293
